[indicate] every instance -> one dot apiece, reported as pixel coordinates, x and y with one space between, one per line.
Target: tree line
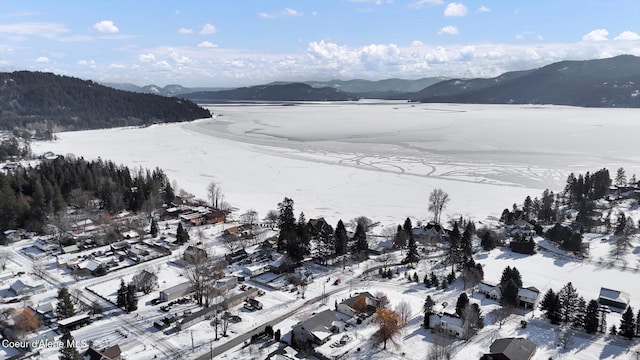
30 196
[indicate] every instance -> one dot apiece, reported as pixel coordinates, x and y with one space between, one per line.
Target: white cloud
106 26
448 30
91 63
48 30
420 3
286 12
628 36
42 59
596 35
117 66
208 29
483 9
455 9
185 31
147 58
162 65
206 44
377 2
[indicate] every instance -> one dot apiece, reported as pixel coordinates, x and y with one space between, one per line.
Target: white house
349 307
317 329
256 269
450 324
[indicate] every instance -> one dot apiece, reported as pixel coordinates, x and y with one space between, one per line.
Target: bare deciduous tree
438 200
404 310
438 351
214 193
272 217
501 314
249 217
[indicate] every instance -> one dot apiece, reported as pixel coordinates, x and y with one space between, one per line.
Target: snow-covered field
378 159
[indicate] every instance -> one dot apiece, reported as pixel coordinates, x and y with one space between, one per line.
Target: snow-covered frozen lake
372 158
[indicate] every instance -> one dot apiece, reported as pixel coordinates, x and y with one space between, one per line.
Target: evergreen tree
182 235
621 177
407 227
461 303
466 246
568 298
412 253
64 308
360 247
579 317
511 274
325 241
638 324
628 324
487 241
121 300
427 309
613 330
154 228
341 238
400 239
434 280
131 298
298 248
68 349
510 294
287 224
551 306
591 317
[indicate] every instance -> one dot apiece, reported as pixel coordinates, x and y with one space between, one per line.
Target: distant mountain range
612 82
276 92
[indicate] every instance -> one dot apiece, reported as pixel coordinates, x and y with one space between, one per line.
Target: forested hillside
51 102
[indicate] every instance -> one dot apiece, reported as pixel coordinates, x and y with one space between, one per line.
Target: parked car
156 301
261 292
337 282
249 307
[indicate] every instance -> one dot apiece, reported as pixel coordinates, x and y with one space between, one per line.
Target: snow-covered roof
614 295
90 265
485 288
528 294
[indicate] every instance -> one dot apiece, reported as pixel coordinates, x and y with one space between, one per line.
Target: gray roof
320 323
513 348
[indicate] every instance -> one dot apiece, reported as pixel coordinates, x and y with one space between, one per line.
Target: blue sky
238 43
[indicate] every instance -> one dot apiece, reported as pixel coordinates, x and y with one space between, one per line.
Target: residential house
198 317
450 324
510 349
490 291
110 353
70 249
215 216
528 297
614 299
223 285
431 233
359 303
239 298
236 256
74 322
91 266
317 329
44 311
194 254
20 288
256 269
174 292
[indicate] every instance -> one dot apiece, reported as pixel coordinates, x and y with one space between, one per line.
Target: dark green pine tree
68 349
182 235
580 313
169 195
154 228
407 227
627 324
461 303
360 247
64 308
510 294
551 306
511 274
341 238
638 324
465 243
568 298
121 299
131 298
400 240
591 317
298 249
412 253
427 309
286 224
